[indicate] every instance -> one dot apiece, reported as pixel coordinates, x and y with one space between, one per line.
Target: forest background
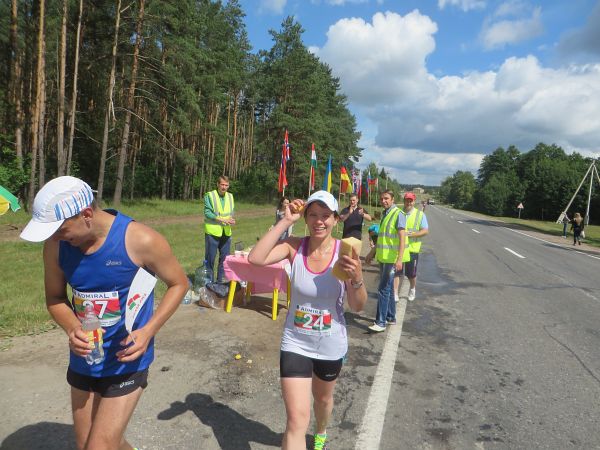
157 99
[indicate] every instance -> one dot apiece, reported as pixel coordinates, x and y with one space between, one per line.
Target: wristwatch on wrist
357 284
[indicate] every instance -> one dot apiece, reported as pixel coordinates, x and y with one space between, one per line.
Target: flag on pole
356 182
345 185
368 183
285 157
313 166
327 180
286 146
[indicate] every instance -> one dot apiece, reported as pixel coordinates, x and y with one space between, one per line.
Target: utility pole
591 171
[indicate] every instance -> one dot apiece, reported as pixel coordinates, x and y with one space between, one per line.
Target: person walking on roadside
98 253
577 226
390 251
565 221
353 217
416 228
314 341
218 219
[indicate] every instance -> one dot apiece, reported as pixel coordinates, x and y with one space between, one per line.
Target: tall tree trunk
61 157
16 83
226 158
37 104
42 121
136 149
129 108
109 100
251 135
74 93
234 157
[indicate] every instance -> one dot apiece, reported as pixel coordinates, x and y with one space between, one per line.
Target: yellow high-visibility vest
211 226
413 224
388 240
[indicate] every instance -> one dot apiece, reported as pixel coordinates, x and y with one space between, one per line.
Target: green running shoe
320 442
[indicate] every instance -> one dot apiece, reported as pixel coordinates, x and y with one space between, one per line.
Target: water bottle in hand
91 325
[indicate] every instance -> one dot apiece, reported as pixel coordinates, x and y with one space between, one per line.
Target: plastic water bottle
91 325
202 277
188 295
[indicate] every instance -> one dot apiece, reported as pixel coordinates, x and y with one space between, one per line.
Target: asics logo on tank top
110 262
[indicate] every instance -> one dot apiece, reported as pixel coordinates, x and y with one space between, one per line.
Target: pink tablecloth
264 279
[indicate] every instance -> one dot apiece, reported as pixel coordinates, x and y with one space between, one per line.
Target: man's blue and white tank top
315 325
103 278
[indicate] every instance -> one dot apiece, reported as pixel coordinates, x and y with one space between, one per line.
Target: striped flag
285 157
327 180
345 185
313 166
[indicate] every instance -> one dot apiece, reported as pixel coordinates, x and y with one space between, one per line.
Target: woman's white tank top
315 325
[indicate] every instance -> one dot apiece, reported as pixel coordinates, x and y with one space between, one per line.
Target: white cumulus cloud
272 6
426 127
497 34
381 59
465 5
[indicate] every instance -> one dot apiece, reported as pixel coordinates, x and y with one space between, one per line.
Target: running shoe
320 442
411 295
376 328
390 322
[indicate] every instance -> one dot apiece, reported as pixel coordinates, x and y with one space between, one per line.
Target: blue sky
437 84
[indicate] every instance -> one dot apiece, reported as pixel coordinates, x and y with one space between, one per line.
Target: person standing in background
416 228
98 254
218 219
353 216
389 254
577 227
565 222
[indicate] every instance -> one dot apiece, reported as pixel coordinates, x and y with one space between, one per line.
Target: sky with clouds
436 85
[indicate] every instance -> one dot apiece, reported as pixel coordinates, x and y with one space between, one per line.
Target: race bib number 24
313 321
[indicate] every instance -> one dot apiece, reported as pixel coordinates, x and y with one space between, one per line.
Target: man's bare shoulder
143 241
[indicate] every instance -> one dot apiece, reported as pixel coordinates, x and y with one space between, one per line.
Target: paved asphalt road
498 351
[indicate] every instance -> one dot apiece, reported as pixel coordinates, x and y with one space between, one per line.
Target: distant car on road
430 201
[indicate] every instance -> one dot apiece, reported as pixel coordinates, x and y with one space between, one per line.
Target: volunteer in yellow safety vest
390 250
218 219
416 228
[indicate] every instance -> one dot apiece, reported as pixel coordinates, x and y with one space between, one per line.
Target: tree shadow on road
43 435
232 430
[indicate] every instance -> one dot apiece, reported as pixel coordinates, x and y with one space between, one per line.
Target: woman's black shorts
293 365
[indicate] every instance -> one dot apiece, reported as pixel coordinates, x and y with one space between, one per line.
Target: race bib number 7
106 306
312 321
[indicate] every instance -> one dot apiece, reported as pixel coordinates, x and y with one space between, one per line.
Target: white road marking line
369 433
535 237
459 221
475 231
513 252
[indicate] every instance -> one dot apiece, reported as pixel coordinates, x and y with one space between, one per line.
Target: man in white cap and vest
218 219
98 253
416 228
